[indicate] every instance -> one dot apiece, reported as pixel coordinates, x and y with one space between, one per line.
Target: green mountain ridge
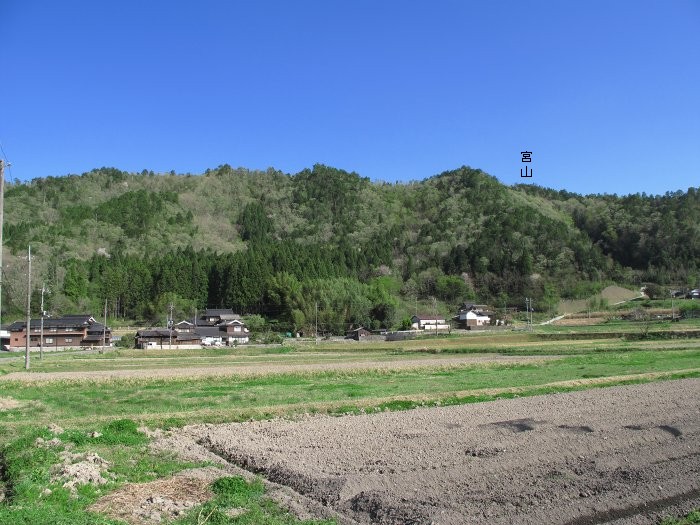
267 242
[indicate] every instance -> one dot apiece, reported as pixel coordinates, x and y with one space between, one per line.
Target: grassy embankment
83 406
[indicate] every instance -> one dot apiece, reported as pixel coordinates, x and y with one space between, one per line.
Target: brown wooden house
70 331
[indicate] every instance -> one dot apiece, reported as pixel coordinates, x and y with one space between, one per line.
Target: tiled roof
67 321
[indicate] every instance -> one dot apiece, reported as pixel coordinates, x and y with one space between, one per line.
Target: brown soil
79 469
618 455
616 294
264 369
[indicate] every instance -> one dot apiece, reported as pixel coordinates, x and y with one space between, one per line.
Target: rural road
622 455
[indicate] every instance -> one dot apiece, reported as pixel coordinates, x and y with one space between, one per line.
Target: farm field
90 403
582 457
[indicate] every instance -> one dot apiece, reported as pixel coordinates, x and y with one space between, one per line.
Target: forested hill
275 244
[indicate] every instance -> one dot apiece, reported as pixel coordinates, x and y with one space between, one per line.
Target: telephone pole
170 326
2 202
528 302
316 332
41 330
104 330
29 314
435 315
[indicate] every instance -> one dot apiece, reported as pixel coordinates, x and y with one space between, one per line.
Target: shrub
127 341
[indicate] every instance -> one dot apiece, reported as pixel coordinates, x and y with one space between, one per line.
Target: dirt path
255 369
615 455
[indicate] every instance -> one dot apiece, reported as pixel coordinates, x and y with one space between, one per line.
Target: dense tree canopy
330 244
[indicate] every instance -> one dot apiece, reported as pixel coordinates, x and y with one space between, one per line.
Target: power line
7 162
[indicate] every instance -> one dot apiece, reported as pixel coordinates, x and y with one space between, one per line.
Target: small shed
357 333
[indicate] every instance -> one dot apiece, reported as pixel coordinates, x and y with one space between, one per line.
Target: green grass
691 519
239 397
506 342
115 408
621 326
236 493
28 470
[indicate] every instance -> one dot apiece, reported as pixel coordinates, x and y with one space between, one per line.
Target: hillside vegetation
328 241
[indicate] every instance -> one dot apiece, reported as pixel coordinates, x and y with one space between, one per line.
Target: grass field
100 415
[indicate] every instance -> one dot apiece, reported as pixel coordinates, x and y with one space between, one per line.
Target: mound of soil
80 469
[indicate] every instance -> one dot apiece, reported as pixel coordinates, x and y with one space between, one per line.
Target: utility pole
673 315
29 301
316 331
104 330
528 307
170 326
2 205
435 315
527 310
41 330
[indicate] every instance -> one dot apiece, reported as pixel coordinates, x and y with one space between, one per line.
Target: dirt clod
81 469
55 429
43 443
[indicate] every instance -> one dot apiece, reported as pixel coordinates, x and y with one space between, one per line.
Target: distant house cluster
69 331
469 316
215 327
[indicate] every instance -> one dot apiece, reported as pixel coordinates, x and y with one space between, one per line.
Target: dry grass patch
8 403
152 502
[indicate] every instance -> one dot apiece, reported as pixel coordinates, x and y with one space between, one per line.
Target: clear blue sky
606 94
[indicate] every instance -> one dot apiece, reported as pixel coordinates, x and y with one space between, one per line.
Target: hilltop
277 244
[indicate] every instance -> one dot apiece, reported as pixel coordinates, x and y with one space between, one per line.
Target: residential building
164 338
216 316
357 333
70 331
217 327
473 316
225 334
429 322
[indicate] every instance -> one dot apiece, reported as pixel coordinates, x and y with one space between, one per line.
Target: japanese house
70 331
216 327
473 316
429 322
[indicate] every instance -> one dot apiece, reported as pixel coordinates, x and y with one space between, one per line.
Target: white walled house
474 318
428 322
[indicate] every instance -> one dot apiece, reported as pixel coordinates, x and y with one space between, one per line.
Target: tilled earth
610 455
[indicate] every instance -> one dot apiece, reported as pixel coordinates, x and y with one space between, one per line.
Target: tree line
331 244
